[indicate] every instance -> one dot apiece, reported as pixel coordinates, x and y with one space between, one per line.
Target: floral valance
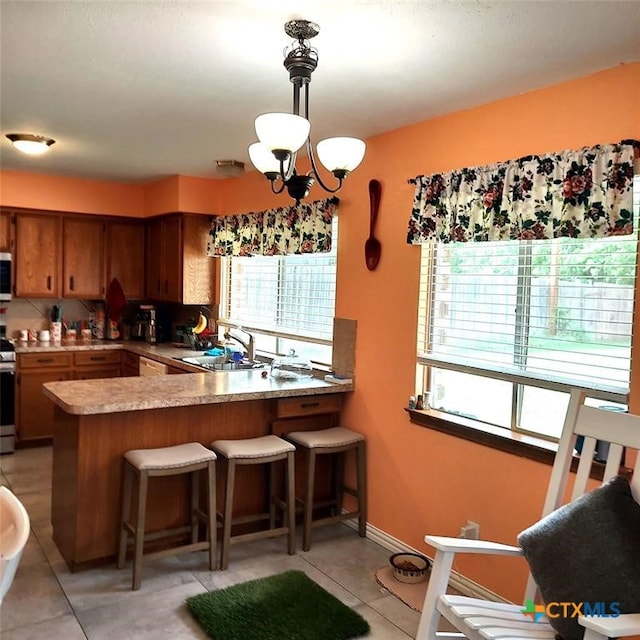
586 193
304 228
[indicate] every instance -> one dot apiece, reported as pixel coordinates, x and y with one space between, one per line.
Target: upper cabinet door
125 257
83 258
37 255
5 230
199 272
172 258
153 260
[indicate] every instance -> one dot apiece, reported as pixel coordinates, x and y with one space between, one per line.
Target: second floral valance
305 228
586 193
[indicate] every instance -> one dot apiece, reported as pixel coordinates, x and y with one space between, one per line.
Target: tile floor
47 600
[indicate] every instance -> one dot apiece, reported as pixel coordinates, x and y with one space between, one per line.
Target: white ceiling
139 90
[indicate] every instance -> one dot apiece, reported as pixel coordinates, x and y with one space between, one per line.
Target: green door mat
287 606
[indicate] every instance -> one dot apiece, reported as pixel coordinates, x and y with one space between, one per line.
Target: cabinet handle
97 358
45 360
48 283
309 405
71 283
166 286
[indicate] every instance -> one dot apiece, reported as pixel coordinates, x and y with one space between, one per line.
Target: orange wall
421 480
425 481
57 193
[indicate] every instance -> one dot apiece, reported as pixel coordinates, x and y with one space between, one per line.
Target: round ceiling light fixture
30 143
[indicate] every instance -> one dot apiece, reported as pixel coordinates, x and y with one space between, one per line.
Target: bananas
202 324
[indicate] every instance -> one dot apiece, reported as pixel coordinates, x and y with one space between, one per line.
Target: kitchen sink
222 363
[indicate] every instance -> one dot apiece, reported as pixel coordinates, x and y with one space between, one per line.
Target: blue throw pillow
588 551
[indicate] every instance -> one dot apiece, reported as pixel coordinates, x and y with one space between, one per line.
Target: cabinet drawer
39 360
309 405
85 358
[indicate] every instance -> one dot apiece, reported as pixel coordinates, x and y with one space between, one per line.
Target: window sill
525 446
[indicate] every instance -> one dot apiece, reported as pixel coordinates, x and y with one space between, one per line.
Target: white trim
461 583
511 374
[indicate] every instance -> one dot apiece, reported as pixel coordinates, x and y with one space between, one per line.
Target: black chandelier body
282 135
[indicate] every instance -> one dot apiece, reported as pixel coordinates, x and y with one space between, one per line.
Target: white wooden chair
14 533
478 619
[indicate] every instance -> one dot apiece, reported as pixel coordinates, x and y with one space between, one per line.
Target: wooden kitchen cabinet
37 255
5 230
177 267
92 364
34 411
310 413
125 256
130 364
83 258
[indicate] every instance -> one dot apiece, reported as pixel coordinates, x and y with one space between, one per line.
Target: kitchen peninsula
97 421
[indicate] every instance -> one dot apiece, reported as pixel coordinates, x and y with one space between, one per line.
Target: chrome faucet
249 345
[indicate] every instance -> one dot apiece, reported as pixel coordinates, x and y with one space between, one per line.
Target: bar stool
188 458
251 451
336 440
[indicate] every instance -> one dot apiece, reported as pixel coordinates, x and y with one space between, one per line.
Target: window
287 302
507 328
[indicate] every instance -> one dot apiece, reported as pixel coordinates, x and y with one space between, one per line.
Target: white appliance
152 367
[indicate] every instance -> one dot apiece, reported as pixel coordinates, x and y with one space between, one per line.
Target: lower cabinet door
34 415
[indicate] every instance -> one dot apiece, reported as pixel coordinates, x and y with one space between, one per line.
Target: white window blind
547 313
291 296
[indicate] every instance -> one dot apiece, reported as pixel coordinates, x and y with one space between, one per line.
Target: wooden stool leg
271 480
211 514
291 499
338 470
195 504
139 529
127 482
308 499
228 513
361 464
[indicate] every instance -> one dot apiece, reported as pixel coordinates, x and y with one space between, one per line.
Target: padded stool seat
263 447
251 451
335 440
188 458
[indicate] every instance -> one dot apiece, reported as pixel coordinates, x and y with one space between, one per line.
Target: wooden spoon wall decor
372 246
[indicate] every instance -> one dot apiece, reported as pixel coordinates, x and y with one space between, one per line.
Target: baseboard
459 582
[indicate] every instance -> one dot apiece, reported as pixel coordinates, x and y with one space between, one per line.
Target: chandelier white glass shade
30 143
341 154
282 135
282 131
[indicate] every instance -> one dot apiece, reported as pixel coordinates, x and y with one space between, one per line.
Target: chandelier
282 135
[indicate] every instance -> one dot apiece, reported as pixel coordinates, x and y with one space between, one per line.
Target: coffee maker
145 326
152 327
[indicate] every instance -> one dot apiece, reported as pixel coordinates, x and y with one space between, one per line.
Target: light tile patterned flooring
46 600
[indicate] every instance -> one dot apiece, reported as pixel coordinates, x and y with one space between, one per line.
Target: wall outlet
471 531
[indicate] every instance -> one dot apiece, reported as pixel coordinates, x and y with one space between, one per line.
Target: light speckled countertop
110 395
162 352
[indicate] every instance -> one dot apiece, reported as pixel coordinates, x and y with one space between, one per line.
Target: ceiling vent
229 168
